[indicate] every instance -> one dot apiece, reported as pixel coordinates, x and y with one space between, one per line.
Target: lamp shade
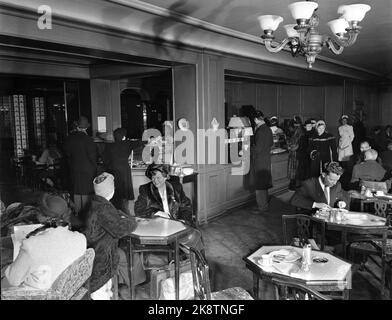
239 122
354 12
302 9
338 26
269 22
291 32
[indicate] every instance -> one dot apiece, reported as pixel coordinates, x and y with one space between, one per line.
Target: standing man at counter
115 158
82 157
260 169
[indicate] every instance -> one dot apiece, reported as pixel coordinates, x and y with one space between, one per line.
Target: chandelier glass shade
303 37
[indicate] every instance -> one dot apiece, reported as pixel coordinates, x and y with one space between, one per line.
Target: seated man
369 170
168 200
321 193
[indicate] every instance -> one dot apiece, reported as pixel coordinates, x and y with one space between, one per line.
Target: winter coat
82 156
115 158
322 149
105 226
149 202
260 163
303 155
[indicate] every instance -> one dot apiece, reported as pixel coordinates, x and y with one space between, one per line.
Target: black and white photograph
215 153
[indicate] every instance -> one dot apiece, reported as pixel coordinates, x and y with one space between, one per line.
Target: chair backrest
290 290
63 288
306 227
201 279
382 208
73 277
375 185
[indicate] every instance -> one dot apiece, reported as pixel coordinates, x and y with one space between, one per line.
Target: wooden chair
69 285
290 290
201 282
306 227
377 243
383 186
375 185
134 248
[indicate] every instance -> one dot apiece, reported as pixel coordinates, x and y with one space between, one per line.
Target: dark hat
53 206
308 121
83 123
164 168
258 114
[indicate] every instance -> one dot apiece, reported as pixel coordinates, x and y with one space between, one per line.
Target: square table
156 233
358 223
334 275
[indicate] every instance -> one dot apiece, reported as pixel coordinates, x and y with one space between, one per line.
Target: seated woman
47 251
18 213
103 226
167 199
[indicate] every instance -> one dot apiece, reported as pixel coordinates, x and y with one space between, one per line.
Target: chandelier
303 37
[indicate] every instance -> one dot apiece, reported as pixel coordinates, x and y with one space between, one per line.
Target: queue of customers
311 147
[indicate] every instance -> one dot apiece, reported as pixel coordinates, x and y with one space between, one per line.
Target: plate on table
285 256
356 216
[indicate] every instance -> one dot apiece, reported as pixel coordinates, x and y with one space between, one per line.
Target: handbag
162 282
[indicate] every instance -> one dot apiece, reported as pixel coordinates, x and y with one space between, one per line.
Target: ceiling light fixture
304 39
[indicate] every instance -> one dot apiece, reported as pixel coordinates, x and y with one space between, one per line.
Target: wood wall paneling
267 98
312 102
386 106
289 101
333 107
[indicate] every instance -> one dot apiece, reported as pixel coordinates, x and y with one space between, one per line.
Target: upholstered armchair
71 284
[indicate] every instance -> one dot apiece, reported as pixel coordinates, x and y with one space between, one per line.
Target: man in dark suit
82 156
260 164
322 192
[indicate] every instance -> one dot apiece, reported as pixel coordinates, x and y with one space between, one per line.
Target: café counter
215 190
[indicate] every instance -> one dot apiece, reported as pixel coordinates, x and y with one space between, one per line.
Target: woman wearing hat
104 225
322 149
47 251
346 134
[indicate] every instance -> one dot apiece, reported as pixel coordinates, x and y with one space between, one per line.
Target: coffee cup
266 260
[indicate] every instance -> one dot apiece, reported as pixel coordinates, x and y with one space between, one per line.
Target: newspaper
20 233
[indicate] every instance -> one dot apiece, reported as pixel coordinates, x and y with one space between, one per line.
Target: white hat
320 123
344 116
104 185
